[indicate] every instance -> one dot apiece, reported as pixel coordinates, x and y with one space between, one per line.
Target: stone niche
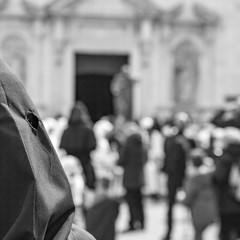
188 29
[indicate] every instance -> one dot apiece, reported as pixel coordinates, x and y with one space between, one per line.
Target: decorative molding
144 8
61 3
141 8
173 14
58 6
32 9
200 21
3 4
205 15
209 21
201 15
195 40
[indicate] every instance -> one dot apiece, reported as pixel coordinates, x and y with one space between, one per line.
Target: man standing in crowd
176 148
133 157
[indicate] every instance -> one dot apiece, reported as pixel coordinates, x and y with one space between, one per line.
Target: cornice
30 9
145 8
57 6
200 15
141 8
3 5
205 15
173 14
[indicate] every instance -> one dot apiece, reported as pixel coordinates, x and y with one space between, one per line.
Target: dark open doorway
94 74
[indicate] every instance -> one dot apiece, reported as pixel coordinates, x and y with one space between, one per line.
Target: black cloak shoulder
35 197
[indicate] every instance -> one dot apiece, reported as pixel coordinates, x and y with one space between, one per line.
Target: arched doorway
94 74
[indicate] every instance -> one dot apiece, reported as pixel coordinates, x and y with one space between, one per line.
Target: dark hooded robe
35 196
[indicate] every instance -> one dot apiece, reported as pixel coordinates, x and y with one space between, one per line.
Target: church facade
182 55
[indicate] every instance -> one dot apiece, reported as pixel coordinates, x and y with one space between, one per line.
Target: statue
186 74
121 88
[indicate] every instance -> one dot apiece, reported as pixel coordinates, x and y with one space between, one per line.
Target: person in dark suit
35 196
227 185
133 156
176 148
102 214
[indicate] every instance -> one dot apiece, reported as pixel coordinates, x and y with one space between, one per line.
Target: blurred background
182 53
176 56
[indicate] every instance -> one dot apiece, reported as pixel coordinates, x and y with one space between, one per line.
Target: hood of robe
35 196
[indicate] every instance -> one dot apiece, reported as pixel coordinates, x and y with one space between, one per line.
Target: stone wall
150 34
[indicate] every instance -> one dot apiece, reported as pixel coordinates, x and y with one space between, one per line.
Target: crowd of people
109 162
114 160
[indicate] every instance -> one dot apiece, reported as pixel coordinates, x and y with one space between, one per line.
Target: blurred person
55 127
200 194
228 194
36 201
152 187
73 170
218 142
176 149
118 135
104 156
102 211
229 115
205 139
61 124
78 140
133 157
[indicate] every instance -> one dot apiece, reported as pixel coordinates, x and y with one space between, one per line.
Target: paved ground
155 224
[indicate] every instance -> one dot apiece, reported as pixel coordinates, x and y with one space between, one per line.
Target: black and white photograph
119 120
